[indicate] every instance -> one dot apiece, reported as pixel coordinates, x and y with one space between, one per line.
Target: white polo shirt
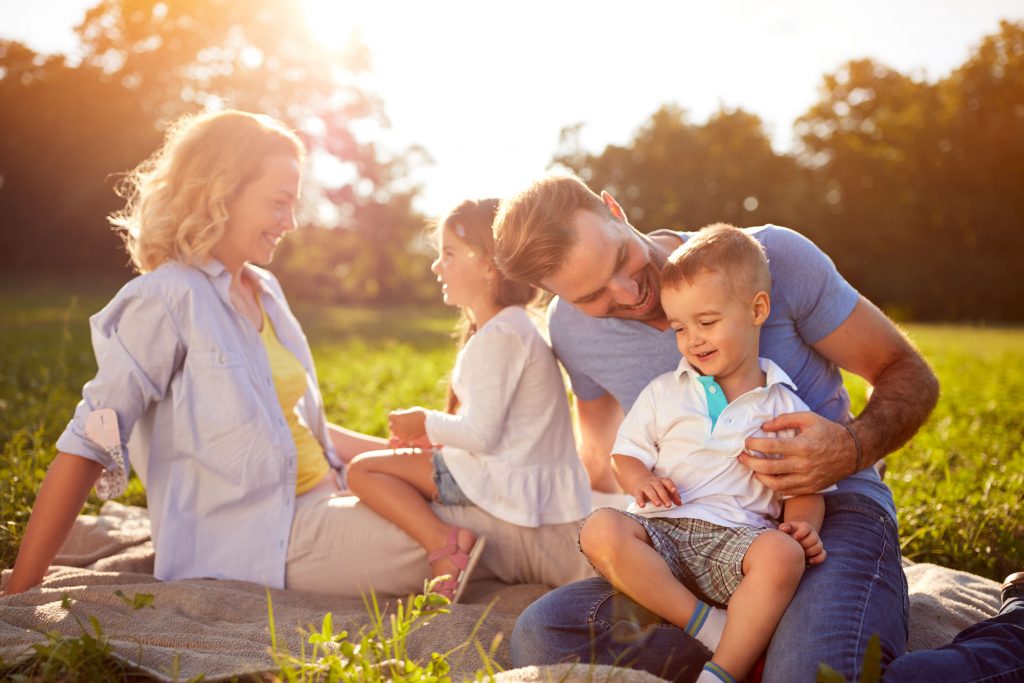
669 429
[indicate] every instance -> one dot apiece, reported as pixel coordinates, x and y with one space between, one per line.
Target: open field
959 484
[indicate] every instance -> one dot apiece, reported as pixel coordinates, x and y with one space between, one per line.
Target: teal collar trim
715 396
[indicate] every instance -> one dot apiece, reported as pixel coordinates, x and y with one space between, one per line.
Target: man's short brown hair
722 248
533 231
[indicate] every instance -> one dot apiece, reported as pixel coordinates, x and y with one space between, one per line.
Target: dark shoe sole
1013 586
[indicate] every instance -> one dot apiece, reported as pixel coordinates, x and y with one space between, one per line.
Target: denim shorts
448 490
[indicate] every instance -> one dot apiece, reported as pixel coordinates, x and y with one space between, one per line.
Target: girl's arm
803 517
491 366
60 499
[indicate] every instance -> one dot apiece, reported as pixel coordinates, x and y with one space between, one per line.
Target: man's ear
613 206
761 307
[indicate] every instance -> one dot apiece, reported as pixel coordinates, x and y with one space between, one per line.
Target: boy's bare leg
772 568
621 551
399 488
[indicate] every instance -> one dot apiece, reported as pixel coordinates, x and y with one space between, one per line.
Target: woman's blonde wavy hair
177 198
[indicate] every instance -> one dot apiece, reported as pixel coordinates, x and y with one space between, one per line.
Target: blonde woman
201 362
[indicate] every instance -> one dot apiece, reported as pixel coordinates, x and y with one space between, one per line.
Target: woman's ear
761 307
613 205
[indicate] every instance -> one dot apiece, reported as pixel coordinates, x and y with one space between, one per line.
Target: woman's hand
409 427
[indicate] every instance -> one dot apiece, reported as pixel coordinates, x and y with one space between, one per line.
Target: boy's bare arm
802 519
643 484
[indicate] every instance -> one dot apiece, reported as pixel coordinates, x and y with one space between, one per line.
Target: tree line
913 187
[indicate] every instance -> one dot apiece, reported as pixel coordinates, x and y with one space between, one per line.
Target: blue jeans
990 651
860 590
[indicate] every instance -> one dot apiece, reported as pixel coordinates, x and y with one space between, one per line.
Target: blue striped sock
720 673
700 615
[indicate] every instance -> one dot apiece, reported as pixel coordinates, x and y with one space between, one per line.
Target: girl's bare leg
399 488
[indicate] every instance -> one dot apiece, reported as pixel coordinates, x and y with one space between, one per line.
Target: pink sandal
452 588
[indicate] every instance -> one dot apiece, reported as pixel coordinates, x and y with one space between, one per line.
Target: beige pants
339 546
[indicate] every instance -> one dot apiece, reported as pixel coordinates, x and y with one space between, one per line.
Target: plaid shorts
706 558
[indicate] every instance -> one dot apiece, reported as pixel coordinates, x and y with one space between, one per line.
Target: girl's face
464 271
261 213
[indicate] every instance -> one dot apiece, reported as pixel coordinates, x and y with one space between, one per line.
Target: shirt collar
773 373
216 271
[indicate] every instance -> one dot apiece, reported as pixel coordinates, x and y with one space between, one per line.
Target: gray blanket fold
220 628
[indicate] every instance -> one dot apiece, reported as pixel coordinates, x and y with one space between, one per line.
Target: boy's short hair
533 234
722 248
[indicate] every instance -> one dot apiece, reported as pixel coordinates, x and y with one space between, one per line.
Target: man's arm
905 390
599 422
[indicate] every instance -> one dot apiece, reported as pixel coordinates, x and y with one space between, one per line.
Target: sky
486 87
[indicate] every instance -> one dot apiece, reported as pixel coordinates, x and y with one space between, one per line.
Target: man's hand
409 426
659 491
804 534
821 453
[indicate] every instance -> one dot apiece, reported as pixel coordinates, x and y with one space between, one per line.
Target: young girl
507 437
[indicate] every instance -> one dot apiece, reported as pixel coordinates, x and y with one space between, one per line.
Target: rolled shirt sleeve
138 348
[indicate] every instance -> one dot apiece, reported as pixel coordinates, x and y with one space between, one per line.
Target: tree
675 174
169 57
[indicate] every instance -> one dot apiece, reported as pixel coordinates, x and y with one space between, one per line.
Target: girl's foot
456 558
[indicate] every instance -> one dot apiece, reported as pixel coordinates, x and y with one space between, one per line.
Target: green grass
959 484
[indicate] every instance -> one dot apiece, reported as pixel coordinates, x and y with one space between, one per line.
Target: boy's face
717 327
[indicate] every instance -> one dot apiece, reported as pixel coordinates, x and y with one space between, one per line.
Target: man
608 329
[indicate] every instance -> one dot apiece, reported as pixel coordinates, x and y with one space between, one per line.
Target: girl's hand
804 534
409 425
422 443
659 491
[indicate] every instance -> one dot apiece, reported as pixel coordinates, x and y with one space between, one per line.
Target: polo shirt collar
773 373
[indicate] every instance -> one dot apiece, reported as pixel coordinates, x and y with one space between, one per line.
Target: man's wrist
858 447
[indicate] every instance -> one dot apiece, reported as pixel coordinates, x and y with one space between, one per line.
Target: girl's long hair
471 223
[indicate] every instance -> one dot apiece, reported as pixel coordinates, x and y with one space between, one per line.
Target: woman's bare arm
61 497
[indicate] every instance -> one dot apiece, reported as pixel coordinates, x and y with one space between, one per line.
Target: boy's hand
804 534
408 426
659 491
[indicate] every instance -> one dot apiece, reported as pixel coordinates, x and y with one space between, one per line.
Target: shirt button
712 390
221 359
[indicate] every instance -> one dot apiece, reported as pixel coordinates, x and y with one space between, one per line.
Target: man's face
611 271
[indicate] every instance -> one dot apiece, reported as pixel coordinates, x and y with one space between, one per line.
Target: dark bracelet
856 443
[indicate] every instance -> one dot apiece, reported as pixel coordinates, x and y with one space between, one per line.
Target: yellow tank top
290 385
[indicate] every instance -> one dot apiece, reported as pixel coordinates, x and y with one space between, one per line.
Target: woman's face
261 213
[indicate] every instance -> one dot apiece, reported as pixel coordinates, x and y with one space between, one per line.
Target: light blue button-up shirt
189 379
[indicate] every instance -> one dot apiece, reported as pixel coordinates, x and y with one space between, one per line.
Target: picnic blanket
220 628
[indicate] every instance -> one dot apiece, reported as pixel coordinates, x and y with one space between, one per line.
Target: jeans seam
888 527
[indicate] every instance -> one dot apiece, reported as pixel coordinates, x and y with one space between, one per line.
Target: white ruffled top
510 445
